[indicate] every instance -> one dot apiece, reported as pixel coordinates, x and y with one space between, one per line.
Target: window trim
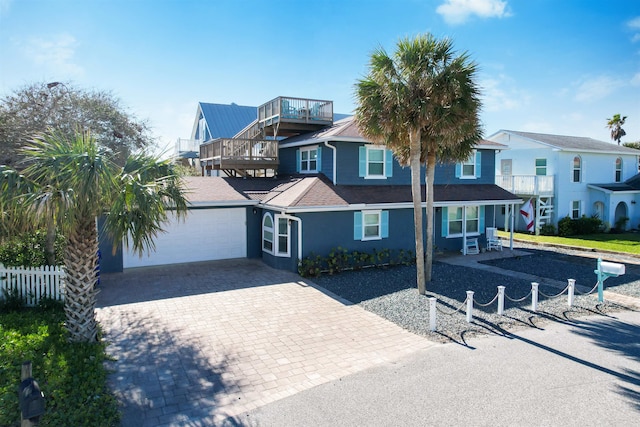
277 236
573 209
575 169
464 222
378 224
308 150
370 148
271 228
473 159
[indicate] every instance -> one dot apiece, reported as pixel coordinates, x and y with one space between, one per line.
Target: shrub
340 259
27 250
565 227
548 230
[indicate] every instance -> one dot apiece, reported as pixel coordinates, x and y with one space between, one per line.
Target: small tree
71 182
35 108
615 124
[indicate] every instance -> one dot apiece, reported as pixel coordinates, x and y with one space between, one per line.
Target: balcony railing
239 153
296 110
533 185
186 145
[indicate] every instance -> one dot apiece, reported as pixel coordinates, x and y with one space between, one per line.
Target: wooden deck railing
295 109
239 149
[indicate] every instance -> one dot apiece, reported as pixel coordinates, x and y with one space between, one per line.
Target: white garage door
205 234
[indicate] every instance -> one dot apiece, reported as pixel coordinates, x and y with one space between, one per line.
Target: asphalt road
584 373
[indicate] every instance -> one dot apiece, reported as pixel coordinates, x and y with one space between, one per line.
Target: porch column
512 218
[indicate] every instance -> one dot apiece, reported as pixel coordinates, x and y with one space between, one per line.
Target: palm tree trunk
416 193
431 168
81 261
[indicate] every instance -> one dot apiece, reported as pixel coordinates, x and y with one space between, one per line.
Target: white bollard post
572 284
432 314
500 300
469 306
534 296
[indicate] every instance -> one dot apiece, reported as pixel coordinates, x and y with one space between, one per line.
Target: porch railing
526 184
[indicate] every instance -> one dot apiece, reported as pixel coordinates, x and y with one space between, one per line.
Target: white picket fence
33 283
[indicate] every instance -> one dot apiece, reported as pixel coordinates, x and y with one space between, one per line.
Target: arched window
577 169
619 169
267 233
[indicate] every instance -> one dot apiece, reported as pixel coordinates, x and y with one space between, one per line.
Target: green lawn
626 242
72 376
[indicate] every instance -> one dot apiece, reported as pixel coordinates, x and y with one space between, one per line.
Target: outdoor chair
472 246
493 240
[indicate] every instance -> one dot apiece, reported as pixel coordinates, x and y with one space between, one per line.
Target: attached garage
205 235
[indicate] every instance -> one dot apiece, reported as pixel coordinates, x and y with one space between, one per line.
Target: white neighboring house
569 176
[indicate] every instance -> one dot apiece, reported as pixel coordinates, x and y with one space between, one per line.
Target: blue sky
550 66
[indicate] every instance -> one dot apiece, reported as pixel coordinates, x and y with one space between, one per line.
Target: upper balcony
237 156
527 185
284 116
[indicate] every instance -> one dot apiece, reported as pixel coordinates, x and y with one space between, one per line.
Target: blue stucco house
297 180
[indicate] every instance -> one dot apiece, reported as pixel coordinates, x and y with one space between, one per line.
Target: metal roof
226 120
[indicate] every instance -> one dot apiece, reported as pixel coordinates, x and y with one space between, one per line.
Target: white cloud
499 94
596 88
458 11
56 54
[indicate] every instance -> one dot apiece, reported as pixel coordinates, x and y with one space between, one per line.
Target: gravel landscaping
391 293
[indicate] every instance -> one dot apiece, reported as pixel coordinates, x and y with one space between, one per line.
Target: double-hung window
309 159
371 225
541 167
470 168
619 169
375 162
575 209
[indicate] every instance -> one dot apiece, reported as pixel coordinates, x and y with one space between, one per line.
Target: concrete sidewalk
585 373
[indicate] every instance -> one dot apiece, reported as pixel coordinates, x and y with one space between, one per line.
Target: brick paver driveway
200 343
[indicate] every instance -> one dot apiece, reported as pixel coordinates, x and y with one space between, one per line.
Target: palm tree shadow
158 381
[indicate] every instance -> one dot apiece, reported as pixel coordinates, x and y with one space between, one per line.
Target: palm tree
74 181
423 104
615 124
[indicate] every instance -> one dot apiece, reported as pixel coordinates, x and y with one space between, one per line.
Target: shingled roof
573 143
306 192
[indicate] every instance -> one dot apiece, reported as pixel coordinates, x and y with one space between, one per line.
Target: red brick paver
207 341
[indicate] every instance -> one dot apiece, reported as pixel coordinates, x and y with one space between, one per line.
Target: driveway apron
198 344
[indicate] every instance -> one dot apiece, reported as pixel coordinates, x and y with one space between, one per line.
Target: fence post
469 306
500 300
572 284
432 314
534 296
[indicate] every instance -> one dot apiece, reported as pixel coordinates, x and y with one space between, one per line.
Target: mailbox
612 268
31 399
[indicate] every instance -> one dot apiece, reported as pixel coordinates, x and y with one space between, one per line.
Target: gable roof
347 130
224 120
317 193
572 143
